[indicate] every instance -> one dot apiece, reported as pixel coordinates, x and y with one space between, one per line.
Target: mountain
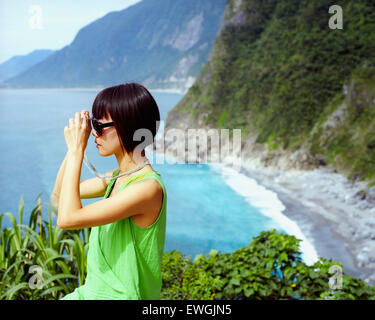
302 94
18 64
161 43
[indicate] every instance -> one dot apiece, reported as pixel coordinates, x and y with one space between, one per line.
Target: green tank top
124 260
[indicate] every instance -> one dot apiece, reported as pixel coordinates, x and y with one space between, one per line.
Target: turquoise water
205 209
204 212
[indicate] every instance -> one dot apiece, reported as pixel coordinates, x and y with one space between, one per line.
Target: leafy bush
183 280
270 267
40 264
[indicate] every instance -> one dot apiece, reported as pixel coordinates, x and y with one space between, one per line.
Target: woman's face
108 143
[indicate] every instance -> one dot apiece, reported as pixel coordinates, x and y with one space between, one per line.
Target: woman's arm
94 187
70 193
89 188
56 190
139 198
60 175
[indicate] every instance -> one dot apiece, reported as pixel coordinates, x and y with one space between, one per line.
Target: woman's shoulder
144 176
150 179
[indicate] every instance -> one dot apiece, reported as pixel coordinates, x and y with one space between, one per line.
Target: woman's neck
127 162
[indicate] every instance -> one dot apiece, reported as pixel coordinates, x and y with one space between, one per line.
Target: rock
322 162
361 195
361 264
371 195
354 177
361 235
364 206
370 222
351 201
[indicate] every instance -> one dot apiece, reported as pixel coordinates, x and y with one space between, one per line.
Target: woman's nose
94 133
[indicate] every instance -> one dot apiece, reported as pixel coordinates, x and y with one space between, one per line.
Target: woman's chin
103 153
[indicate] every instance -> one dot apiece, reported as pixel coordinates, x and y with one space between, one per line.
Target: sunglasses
98 126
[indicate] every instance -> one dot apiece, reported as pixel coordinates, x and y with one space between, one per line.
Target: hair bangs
101 104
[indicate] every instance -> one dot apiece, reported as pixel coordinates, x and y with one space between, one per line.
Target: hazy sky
26 25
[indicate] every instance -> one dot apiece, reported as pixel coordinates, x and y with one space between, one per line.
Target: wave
267 202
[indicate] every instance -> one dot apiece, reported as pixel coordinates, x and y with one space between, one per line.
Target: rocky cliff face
237 88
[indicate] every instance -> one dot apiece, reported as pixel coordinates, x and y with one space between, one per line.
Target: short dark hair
131 107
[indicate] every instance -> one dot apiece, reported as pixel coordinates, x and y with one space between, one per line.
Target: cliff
302 94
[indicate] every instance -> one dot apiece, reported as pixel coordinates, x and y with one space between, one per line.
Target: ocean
210 206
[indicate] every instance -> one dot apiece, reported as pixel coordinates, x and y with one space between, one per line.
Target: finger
87 114
83 117
78 119
71 122
86 117
84 123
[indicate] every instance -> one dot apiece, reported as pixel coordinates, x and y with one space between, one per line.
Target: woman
128 226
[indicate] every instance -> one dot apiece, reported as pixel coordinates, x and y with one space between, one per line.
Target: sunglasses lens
97 127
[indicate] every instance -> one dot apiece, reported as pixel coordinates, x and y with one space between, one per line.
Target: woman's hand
78 131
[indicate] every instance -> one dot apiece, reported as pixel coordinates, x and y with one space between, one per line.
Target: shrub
39 260
270 267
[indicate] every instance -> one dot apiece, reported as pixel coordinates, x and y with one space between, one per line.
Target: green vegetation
270 267
59 254
350 143
280 73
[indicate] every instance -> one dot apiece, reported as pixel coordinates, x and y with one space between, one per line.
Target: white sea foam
266 201
268 204
171 90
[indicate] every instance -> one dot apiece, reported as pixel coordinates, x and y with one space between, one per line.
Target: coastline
172 90
330 215
315 227
325 206
169 90
268 203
